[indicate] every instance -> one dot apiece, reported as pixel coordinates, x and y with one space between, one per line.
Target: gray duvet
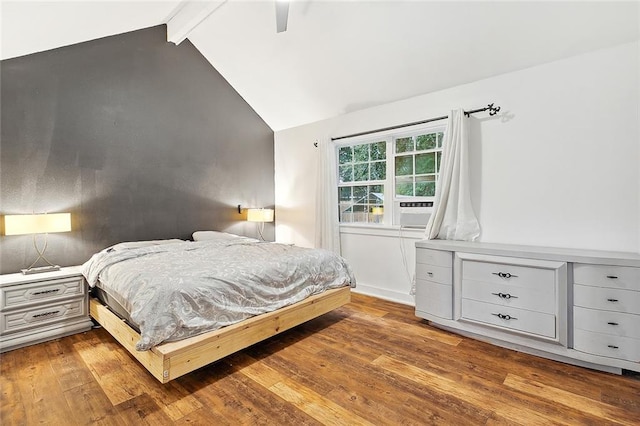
177 290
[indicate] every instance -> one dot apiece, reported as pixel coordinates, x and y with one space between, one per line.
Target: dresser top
600 257
19 278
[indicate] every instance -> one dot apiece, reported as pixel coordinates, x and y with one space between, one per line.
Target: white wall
559 166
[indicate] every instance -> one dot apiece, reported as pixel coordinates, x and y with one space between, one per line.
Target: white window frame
391 201
385 182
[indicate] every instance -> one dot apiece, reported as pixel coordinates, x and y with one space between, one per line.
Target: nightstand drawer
34 317
40 292
607 345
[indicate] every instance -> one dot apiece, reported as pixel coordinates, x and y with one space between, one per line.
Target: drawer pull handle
504 274
613 277
46 291
612 300
430 274
612 323
612 346
505 295
505 317
45 314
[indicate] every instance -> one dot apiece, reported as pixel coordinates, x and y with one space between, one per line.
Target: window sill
394 231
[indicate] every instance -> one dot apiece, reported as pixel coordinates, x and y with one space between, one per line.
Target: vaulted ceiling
338 56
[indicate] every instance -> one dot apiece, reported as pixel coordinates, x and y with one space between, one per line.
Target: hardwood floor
370 362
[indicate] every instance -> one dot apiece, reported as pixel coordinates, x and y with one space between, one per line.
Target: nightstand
40 307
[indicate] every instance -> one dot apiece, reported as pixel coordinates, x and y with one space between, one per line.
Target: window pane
378 192
440 136
426 141
426 186
404 165
361 153
361 172
359 193
345 155
374 197
378 151
404 145
344 194
378 170
425 163
439 156
346 174
404 186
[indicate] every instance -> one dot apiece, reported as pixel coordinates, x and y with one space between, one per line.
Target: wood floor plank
67 365
571 400
42 396
90 405
516 413
320 408
423 334
433 354
106 362
371 383
12 410
315 405
265 406
142 410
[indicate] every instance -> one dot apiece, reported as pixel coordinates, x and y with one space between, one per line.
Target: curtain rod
492 111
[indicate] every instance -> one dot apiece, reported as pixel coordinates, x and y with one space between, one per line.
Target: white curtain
453 217
327 229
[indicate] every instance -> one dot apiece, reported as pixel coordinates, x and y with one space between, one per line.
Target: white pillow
137 244
213 235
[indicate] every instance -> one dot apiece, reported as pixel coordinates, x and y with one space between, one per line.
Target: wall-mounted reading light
260 216
38 224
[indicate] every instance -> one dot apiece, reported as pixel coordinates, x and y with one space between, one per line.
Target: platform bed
171 360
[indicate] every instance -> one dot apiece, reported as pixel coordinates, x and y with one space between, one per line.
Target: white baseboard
382 293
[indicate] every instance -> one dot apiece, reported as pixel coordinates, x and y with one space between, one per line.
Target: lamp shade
18 224
260 215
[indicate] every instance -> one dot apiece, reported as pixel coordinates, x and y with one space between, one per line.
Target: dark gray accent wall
138 138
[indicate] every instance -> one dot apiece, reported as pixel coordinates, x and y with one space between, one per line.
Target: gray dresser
576 306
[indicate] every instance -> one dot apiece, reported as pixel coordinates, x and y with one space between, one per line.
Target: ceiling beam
188 16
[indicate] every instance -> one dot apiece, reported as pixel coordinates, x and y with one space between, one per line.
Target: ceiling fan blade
282 14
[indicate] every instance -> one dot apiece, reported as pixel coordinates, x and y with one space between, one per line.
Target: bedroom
103 118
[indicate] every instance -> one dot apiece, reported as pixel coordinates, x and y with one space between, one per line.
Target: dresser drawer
435 299
434 257
506 274
620 277
31 318
607 345
40 292
607 322
609 299
438 274
533 299
513 319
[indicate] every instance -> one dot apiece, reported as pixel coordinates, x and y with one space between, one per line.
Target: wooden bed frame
170 360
